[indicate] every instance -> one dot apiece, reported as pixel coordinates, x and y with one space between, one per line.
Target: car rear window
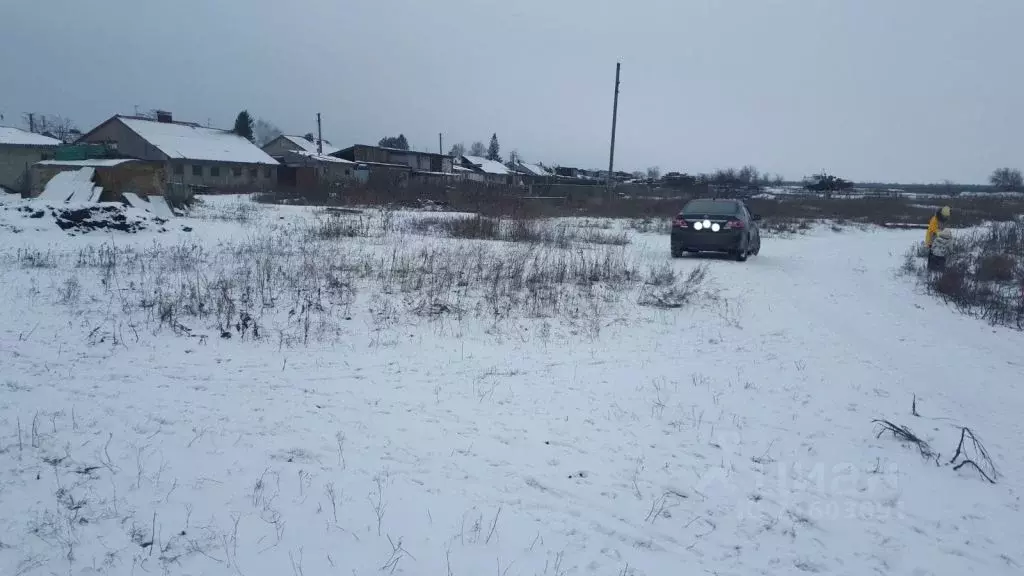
711 207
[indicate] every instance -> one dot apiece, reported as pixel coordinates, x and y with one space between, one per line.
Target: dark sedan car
716 225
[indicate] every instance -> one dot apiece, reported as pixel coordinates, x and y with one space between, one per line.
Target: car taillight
679 223
735 224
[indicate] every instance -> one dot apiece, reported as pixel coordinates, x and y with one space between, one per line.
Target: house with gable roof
193 155
480 169
19 150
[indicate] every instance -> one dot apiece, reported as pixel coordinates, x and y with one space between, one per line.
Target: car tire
742 251
677 253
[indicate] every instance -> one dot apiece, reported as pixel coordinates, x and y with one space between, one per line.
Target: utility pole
615 117
31 122
440 143
319 136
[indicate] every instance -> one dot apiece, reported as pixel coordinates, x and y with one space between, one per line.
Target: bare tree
723 177
653 173
53 125
265 131
1007 179
748 175
457 150
478 149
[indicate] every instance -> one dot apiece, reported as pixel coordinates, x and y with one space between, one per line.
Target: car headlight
707 223
698 225
715 227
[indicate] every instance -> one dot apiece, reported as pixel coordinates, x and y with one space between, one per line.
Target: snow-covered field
267 391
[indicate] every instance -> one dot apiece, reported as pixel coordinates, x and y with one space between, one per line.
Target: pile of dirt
79 218
101 217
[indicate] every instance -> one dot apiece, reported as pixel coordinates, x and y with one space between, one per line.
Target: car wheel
677 253
740 256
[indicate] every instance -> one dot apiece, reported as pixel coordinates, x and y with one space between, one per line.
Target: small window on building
179 169
197 170
253 173
237 172
215 171
268 172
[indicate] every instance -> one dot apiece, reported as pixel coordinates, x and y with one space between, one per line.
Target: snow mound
160 208
156 205
74 186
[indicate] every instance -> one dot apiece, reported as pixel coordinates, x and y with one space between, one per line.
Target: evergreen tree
244 125
494 150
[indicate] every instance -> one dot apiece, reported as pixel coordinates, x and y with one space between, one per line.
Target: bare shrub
650 225
995 268
983 275
910 257
476 227
679 293
972 454
284 286
903 434
537 232
785 225
241 210
590 235
663 275
335 227
517 230
70 291
35 258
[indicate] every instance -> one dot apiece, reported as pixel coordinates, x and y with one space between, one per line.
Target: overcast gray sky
890 90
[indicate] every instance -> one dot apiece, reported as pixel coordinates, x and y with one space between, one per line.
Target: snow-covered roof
534 169
308 146
190 142
18 137
487 166
320 157
95 163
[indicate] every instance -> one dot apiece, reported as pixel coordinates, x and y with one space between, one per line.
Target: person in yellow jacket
937 223
937 226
